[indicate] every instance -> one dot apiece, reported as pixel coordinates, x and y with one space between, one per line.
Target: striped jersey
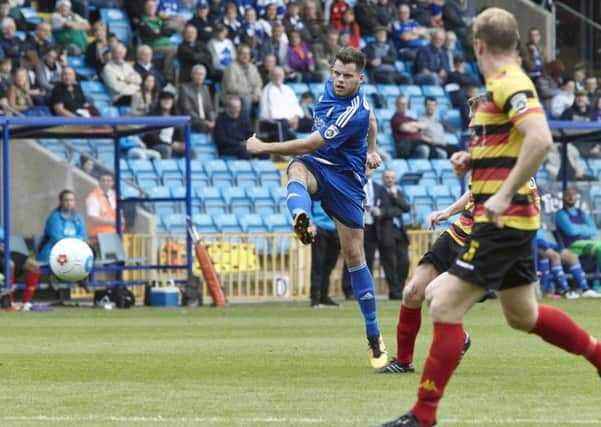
343 124
495 144
462 228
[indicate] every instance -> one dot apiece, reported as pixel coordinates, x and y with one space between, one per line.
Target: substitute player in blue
330 167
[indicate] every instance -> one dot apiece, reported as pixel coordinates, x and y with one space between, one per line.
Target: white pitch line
278 420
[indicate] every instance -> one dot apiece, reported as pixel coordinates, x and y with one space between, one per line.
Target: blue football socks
560 277
363 288
579 276
545 279
298 199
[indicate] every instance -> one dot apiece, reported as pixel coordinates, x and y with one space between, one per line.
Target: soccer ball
71 259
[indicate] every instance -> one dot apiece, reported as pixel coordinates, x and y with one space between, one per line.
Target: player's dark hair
430 99
498 29
349 55
63 193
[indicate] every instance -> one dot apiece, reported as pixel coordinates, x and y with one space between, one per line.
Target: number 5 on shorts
469 254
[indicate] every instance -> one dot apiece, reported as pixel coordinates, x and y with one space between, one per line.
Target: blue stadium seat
261 199
279 194
594 166
200 179
441 166
419 165
452 118
417 194
399 166
109 111
277 223
384 116
410 90
422 212
111 15
159 191
451 138
416 102
442 202
211 200
253 223
242 170
439 191
176 223
128 190
204 223
388 90
369 89
433 90
142 168
400 67
218 172
237 200
168 168
299 88
227 223
200 138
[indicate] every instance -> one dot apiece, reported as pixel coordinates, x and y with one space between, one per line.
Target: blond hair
498 29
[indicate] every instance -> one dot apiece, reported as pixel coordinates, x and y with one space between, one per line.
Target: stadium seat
167 168
218 172
142 168
419 165
439 191
242 170
128 190
277 223
299 88
175 223
410 90
417 194
211 200
227 223
416 102
204 223
452 118
388 90
159 191
399 166
236 199
441 166
200 138
451 139
433 90
261 200
369 89
253 223
442 202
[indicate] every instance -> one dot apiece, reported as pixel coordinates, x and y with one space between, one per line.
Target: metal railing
251 267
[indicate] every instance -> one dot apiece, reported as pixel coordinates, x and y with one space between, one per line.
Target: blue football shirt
343 124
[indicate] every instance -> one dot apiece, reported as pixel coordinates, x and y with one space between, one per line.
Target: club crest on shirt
519 102
331 132
317 122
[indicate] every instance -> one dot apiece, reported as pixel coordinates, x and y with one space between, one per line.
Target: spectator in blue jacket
64 221
324 255
577 229
431 64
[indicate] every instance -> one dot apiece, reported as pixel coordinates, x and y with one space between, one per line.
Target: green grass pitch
276 364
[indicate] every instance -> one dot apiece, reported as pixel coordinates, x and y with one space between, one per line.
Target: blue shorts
542 244
341 192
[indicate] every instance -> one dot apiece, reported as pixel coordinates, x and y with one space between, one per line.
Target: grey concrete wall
36 178
528 15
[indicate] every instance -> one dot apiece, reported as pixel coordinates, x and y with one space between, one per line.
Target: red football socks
410 320
444 356
31 281
559 329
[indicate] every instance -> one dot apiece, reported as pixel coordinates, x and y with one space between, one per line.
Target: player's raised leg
523 312
301 184
351 244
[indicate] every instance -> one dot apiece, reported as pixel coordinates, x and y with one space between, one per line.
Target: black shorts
442 254
496 258
17 258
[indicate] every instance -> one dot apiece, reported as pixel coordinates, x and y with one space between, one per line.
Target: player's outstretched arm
373 158
536 145
444 214
293 147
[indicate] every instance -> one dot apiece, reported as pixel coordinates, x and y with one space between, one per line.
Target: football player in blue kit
330 166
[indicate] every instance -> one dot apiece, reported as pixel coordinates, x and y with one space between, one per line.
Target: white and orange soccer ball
71 259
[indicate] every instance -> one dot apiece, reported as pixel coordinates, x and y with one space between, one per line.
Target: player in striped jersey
510 140
330 167
434 262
